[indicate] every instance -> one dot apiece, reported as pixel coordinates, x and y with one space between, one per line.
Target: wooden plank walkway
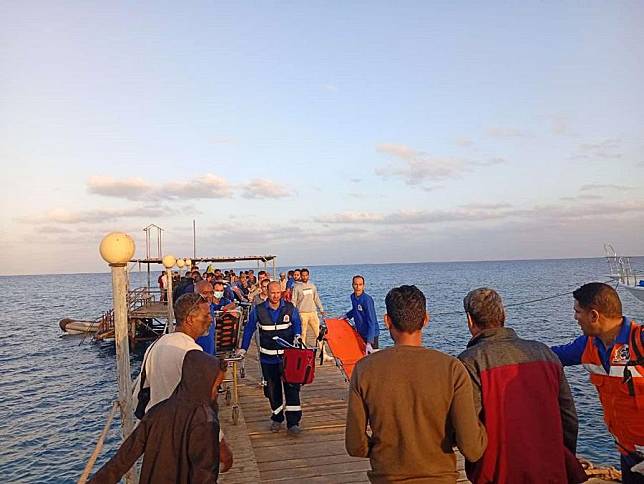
316 455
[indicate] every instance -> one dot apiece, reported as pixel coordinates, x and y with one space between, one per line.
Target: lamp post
117 248
180 264
168 262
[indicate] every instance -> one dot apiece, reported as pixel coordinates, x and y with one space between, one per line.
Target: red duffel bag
299 366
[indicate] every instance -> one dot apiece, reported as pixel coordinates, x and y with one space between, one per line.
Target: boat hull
636 291
71 326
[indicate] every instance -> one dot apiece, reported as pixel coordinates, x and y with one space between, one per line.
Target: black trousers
274 389
628 476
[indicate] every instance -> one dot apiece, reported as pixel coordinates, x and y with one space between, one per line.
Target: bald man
207 340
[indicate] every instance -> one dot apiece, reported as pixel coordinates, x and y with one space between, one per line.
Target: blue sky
323 132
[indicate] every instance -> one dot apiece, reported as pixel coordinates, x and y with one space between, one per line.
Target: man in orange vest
612 351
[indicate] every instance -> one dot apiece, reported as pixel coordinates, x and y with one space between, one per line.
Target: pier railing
136 299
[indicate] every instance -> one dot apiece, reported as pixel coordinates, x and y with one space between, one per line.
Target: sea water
56 391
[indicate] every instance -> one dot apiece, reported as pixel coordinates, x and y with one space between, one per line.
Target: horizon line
464 261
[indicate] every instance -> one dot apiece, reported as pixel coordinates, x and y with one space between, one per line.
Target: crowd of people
504 402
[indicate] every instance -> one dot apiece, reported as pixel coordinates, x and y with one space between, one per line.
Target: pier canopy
221 259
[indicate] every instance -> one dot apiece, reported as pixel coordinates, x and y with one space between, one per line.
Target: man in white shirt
164 358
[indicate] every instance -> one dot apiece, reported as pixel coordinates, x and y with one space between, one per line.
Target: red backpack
299 366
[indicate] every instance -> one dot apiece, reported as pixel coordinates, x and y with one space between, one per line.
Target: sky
322 132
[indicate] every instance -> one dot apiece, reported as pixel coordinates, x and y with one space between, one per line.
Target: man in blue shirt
276 317
612 350
215 295
363 313
290 282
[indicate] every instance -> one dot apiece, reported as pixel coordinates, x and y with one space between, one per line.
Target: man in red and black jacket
522 397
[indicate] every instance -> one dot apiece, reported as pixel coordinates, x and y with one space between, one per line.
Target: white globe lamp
169 261
180 263
117 248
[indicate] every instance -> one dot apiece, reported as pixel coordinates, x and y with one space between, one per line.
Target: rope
99 445
522 303
601 472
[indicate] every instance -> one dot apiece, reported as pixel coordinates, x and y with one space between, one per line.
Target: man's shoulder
176 340
515 350
388 355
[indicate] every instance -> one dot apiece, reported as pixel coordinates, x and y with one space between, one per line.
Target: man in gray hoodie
307 301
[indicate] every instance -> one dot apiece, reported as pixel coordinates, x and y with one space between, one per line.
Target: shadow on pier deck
316 455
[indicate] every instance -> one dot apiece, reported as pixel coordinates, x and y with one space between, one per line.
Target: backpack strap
635 343
145 360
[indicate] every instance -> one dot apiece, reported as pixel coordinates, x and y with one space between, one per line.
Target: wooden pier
316 455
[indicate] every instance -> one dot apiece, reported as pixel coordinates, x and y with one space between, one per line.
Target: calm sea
56 390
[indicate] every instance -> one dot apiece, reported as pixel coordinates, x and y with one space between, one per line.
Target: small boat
76 326
622 272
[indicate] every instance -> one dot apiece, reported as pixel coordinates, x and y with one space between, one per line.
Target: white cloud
350 218
130 188
607 149
262 188
62 216
208 186
419 167
584 208
591 187
469 213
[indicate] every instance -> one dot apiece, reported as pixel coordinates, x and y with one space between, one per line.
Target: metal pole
121 337
147 251
168 275
194 239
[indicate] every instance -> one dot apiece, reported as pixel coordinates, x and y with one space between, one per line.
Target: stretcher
246 308
346 345
228 330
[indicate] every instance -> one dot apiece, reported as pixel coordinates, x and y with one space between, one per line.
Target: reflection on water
55 391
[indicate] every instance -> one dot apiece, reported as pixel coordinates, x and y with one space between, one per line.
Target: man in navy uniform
276 317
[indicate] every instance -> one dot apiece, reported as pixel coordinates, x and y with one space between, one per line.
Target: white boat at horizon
622 272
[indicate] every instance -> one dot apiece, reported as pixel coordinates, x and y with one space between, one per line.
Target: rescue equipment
298 363
346 345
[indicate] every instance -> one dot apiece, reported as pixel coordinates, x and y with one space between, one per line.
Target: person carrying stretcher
363 313
276 317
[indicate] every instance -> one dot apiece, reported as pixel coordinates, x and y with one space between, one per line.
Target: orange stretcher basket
345 343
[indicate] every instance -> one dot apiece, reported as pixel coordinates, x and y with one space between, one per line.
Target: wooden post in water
169 262
117 249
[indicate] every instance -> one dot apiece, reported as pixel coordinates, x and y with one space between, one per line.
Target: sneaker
276 426
294 430
328 357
